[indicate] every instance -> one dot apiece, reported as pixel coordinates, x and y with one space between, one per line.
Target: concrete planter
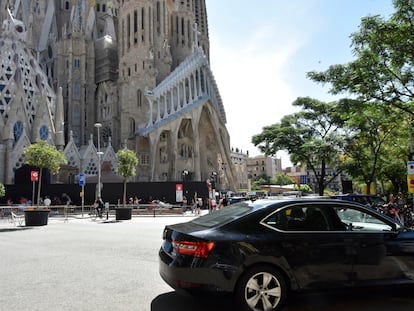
36 217
123 213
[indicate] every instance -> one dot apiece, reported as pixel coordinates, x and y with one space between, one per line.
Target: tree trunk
124 196
368 187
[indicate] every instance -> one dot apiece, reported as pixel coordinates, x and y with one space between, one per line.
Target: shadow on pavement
14 229
175 302
357 299
380 299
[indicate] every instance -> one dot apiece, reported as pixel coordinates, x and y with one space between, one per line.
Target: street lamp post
98 126
185 175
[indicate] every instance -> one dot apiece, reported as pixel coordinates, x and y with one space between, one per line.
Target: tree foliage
366 136
371 127
282 180
312 136
381 77
303 188
127 167
260 180
43 155
383 70
2 190
393 160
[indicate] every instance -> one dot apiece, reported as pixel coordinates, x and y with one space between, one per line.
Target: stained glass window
17 130
44 132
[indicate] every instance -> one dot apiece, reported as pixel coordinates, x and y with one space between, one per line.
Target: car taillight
196 249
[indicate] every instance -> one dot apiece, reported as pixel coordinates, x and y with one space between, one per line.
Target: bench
17 219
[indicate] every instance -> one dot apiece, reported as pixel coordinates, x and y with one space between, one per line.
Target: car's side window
295 218
324 218
300 218
276 220
357 220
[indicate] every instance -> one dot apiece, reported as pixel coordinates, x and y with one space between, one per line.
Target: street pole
83 198
33 194
98 126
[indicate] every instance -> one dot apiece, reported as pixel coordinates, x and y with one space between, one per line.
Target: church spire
77 17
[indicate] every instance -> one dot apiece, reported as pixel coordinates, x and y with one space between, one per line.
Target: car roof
356 195
261 206
256 210
286 201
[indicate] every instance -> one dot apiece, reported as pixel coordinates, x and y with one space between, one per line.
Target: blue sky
260 52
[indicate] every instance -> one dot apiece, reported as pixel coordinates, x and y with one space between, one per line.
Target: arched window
135 26
43 132
139 99
76 90
17 130
142 24
131 127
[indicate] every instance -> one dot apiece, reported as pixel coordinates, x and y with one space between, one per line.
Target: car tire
262 288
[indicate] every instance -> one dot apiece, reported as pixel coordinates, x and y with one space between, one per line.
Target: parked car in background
233 200
261 250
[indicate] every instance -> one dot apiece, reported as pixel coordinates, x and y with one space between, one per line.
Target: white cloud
250 80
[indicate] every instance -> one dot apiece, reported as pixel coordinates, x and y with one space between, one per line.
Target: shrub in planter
41 155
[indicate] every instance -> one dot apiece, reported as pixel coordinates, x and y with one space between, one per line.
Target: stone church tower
29 108
140 68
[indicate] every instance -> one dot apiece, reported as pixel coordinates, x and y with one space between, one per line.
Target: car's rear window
224 215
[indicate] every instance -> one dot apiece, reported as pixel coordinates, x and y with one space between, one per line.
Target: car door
381 254
318 254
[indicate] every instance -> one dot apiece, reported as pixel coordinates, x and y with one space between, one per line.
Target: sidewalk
6 222
81 264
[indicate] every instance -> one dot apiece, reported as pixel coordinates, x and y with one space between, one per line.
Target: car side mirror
396 227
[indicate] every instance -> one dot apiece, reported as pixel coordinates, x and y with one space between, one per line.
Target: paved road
86 265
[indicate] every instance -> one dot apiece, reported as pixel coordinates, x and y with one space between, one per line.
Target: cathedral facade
135 72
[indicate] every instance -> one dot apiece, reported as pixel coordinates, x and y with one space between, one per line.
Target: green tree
383 69
282 179
370 127
260 180
127 167
2 190
43 155
303 188
393 161
313 137
381 74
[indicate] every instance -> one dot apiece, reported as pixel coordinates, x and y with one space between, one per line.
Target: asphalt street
80 264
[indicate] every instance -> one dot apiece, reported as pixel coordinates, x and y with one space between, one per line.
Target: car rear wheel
262 288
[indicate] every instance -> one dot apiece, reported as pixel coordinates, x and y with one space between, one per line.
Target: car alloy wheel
262 288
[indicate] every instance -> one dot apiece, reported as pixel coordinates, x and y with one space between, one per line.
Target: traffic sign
410 167
303 179
34 175
82 180
179 193
410 183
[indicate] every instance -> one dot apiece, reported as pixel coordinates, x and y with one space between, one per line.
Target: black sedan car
262 250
